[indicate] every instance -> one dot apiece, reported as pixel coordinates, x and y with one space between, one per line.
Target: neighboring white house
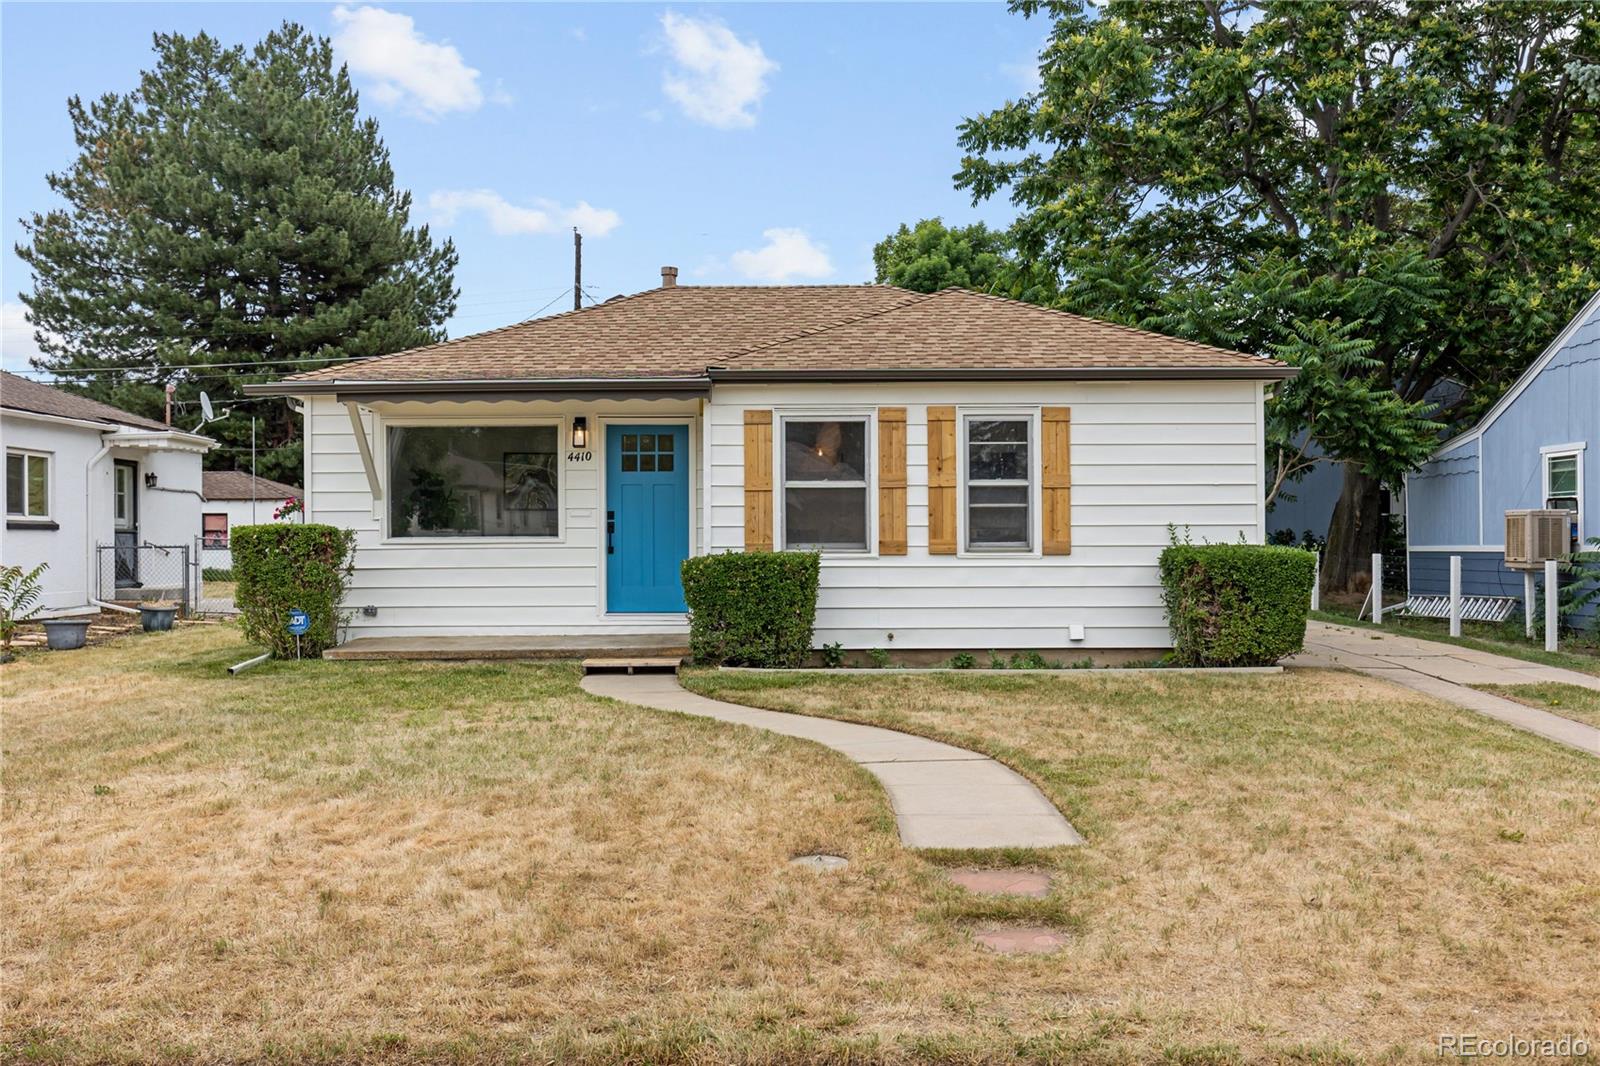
233 498
978 473
82 475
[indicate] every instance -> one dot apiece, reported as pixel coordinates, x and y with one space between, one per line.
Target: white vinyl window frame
966 415
382 507
29 456
781 483
1549 454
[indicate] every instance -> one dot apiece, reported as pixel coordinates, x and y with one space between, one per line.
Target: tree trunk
1354 532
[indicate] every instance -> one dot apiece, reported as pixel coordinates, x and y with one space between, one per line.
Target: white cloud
405 68
17 345
717 78
508 219
788 254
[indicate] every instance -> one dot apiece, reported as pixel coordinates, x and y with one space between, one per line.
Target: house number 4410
580 457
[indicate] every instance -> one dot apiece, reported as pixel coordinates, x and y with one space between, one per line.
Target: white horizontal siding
468 586
1144 456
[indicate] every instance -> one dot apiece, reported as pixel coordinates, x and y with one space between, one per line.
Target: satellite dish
205 409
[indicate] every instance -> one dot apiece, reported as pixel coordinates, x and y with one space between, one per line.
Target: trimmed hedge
284 566
751 608
1236 604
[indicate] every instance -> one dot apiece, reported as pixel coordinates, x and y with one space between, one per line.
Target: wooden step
631 665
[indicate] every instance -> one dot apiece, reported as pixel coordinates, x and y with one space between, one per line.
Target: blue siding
1442 498
1314 499
1482 574
1560 405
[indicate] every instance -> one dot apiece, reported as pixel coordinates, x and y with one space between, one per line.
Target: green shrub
751 608
1235 604
963 660
284 566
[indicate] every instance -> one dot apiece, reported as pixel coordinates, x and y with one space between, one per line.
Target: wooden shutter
942 480
1056 452
891 481
757 481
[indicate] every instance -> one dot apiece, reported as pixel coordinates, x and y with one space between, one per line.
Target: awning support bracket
360 430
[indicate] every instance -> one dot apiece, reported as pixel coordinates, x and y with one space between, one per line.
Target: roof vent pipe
669 277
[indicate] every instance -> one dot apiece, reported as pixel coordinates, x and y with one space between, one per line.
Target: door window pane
999 472
473 481
825 484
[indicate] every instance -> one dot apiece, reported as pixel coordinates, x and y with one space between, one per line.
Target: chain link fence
143 573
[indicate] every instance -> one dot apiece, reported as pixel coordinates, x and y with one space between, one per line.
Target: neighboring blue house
1530 450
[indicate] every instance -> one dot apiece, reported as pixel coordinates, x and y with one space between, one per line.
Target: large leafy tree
1397 194
931 256
231 220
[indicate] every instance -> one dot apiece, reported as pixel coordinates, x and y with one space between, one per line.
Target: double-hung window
1563 486
998 464
214 530
825 492
27 485
474 481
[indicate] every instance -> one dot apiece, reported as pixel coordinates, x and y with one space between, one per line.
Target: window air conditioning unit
1533 536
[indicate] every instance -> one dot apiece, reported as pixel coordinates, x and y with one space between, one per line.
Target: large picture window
28 484
474 481
825 484
999 465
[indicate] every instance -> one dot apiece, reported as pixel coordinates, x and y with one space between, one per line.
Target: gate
142 573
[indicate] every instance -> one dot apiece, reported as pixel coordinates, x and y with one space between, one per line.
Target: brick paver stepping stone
1020 939
943 796
1001 882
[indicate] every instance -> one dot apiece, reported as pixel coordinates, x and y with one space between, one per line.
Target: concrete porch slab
577 646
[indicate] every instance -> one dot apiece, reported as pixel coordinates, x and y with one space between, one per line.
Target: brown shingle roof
725 331
236 485
956 329
20 394
666 332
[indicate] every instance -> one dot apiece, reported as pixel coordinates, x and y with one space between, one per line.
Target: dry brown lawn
1317 859
409 862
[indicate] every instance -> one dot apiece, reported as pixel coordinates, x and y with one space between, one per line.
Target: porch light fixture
580 432
149 481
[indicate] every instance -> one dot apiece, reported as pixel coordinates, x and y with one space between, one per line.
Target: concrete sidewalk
943 796
1447 672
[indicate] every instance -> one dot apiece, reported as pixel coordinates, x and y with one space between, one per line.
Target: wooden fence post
1455 595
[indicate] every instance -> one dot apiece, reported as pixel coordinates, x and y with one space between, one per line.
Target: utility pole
577 269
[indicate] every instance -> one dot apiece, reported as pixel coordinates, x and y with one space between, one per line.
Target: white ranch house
90 489
978 473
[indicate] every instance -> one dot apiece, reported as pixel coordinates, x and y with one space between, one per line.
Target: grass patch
1506 638
1316 855
419 862
1569 701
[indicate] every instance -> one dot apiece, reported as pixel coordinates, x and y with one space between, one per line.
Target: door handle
611 528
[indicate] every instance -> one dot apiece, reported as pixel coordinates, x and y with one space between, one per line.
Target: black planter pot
65 634
157 619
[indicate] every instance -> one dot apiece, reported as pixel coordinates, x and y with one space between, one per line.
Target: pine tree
231 220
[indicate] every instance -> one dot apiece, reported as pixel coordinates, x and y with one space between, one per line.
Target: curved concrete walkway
1448 672
943 796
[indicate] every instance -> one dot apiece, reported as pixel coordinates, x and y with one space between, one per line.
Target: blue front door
647 517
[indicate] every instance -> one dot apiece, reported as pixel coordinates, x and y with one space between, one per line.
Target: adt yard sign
299 622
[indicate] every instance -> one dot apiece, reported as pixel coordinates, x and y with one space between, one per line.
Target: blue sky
742 143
